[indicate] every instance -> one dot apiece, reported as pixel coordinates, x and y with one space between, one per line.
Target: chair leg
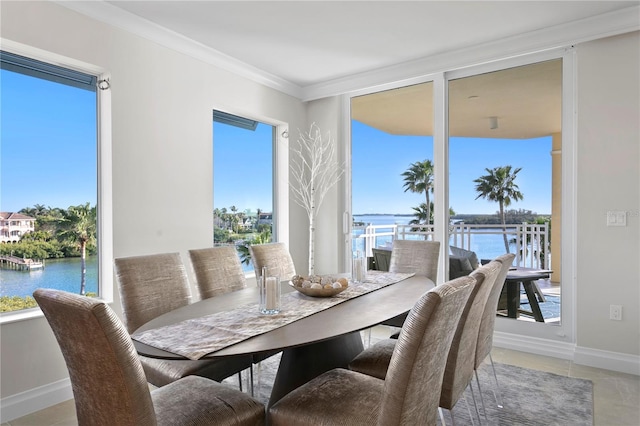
497 392
475 404
466 402
250 380
367 338
484 408
240 380
441 414
258 378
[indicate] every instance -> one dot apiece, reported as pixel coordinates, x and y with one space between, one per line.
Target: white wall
162 103
329 248
608 155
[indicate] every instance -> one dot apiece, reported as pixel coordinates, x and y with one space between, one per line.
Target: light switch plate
616 218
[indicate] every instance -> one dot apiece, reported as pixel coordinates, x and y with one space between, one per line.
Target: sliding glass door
392 167
488 143
505 134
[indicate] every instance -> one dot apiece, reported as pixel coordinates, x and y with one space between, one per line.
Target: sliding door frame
510 334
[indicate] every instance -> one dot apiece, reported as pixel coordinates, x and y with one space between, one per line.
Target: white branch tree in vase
315 169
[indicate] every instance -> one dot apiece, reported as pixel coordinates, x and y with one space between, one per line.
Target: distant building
15 225
265 218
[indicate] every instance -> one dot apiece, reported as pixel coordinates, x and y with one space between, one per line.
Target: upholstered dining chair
150 286
276 257
413 256
460 361
109 384
487 325
410 393
218 270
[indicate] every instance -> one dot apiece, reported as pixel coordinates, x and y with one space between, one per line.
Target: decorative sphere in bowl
319 285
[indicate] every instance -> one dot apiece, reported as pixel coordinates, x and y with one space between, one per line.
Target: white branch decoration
315 170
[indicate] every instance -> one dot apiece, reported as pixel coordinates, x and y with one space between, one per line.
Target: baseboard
607 360
615 361
27 402
534 345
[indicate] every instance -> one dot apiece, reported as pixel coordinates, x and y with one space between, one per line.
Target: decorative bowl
297 283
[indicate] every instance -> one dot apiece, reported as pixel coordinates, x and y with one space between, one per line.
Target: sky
47 144
243 167
379 159
48 157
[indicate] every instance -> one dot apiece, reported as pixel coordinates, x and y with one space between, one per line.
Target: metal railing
529 242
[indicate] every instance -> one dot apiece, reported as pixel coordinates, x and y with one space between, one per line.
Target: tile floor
616 396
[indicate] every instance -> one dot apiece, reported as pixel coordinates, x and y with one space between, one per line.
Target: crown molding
564 35
124 20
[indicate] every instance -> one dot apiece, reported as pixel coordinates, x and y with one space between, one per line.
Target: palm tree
243 249
421 214
79 225
419 178
499 186
258 211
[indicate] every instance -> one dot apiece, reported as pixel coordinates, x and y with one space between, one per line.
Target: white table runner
198 337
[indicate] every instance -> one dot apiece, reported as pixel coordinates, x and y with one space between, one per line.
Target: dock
19 263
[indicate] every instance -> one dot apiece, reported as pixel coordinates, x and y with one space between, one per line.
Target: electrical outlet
615 312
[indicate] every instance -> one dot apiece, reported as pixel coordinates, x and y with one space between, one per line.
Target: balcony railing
529 242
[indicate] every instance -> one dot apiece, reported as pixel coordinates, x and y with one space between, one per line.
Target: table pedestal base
300 364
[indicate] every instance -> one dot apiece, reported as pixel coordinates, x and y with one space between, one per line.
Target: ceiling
311 42
516 103
309 49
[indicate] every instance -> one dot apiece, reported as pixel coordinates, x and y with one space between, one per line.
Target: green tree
78 225
420 214
419 178
243 249
499 186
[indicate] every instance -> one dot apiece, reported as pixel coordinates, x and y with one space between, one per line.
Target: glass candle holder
358 267
269 293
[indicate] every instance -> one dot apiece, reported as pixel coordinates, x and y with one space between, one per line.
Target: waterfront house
157 158
15 225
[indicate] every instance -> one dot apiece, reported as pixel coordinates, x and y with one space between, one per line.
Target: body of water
486 245
61 274
64 274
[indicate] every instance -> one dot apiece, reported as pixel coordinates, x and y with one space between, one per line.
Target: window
243 183
52 195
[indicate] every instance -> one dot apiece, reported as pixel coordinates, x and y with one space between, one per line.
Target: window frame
104 170
280 178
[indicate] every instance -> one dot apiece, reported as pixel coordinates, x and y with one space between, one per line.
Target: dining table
311 345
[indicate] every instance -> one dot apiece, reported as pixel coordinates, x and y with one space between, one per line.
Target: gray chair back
381 258
151 286
419 257
461 358
109 385
488 322
276 257
412 386
218 270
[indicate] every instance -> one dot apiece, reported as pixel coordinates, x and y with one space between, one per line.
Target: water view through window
48 181
243 158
